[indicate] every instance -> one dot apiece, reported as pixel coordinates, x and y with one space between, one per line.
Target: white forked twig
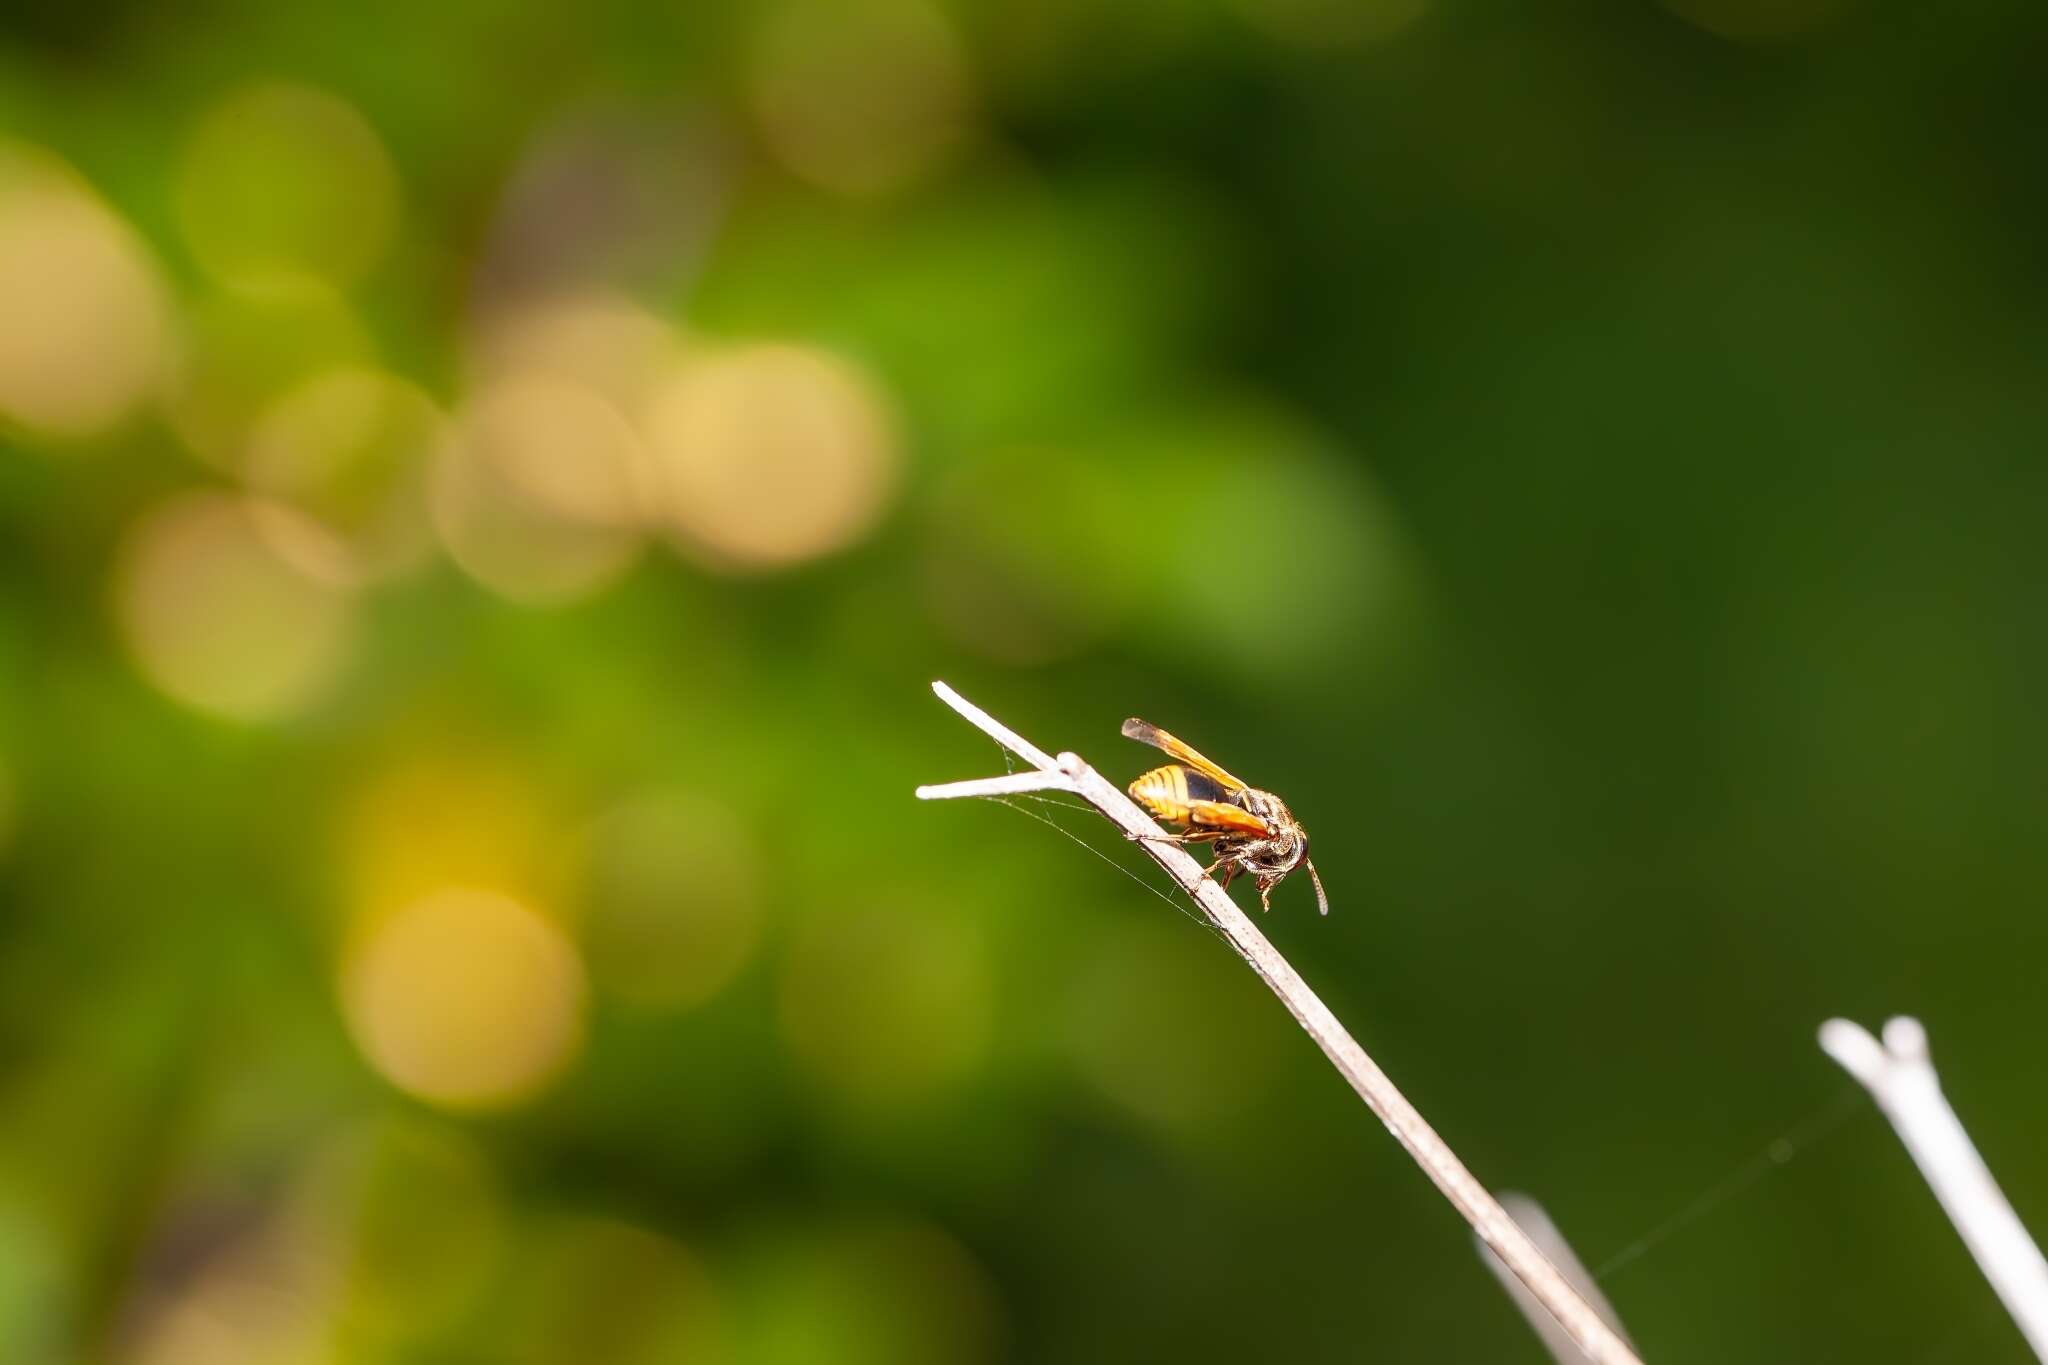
1900 1076
1584 1325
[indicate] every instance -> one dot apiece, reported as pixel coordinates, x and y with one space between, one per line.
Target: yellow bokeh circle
467 999
281 181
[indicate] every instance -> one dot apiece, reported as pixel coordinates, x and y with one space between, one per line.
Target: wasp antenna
1322 901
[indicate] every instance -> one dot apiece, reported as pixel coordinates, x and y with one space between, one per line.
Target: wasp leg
1266 893
1230 871
1193 836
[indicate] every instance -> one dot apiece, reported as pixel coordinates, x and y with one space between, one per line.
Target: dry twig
1489 1221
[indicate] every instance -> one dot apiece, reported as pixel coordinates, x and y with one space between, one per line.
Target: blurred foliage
483 490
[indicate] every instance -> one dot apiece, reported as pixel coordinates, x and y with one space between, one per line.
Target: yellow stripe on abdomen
1163 791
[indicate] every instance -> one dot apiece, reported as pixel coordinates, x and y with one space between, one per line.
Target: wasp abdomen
1167 790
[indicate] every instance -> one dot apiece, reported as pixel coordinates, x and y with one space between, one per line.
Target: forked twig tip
1906 1037
1852 1047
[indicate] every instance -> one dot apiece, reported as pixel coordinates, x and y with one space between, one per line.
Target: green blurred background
485 489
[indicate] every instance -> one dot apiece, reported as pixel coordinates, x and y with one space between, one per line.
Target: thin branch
1900 1076
1009 784
996 730
1531 1218
1489 1221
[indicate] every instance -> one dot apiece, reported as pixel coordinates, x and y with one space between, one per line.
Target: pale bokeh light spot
671 901
1328 23
773 455
215 618
607 344
246 347
343 461
283 180
885 1005
1758 21
466 999
536 498
85 332
860 96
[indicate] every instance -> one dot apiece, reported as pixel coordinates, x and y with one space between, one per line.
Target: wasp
1253 830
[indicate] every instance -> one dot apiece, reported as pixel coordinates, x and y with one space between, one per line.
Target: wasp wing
1221 815
1145 732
